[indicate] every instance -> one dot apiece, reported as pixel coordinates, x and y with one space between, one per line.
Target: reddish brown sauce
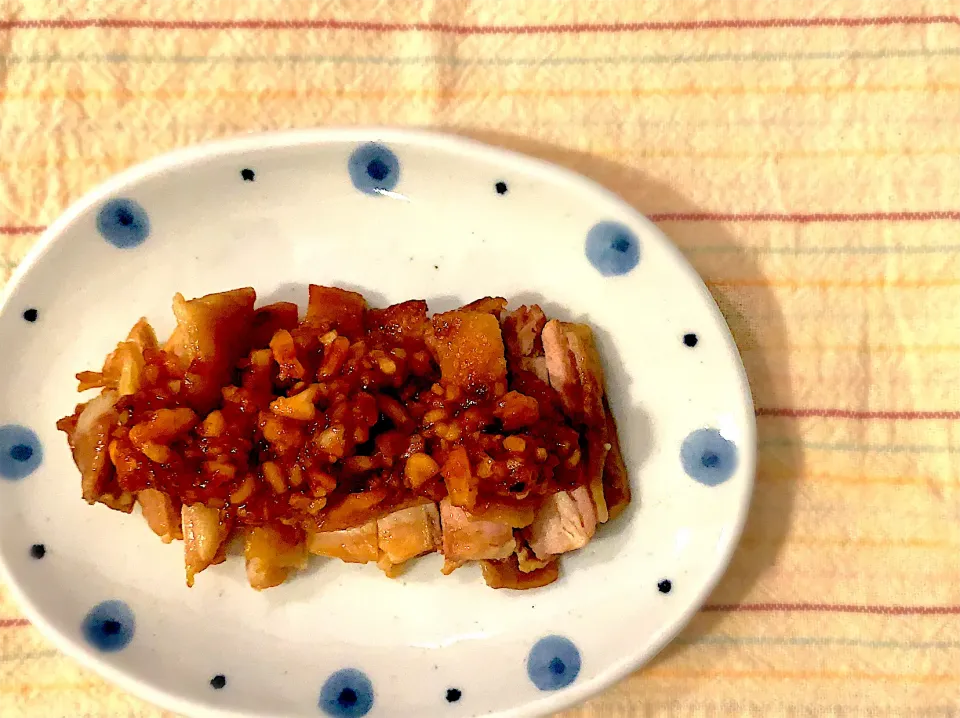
374 422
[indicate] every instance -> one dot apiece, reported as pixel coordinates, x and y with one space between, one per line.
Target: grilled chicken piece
527 560
203 534
354 509
469 349
270 557
406 321
573 366
88 433
119 501
128 364
616 482
574 369
270 319
521 332
466 538
123 367
356 545
487 305
143 336
333 308
406 534
507 574
212 334
566 522
162 516
598 448
536 366
515 514
130 355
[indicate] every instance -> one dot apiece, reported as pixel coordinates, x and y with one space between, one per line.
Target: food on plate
366 435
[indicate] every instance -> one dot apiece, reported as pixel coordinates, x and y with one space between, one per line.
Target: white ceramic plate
399 215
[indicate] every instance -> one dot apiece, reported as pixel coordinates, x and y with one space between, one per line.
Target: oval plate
413 215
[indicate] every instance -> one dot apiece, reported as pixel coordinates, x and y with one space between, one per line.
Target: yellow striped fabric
807 164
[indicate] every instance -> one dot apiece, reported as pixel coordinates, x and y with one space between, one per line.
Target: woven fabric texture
804 156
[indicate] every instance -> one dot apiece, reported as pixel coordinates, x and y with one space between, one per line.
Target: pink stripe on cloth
834 608
457 29
13 622
803 218
855 414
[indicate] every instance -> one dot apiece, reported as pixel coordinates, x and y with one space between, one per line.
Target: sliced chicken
566 521
88 436
536 366
487 305
598 448
129 357
469 349
131 363
573 366
270 557
333 308
400 322
123 367
616 482
270 319
406 534
506 573
203 534
162 516
521 332
466 538
120 501
515 514
212 334
143 336
209 324
354 509
356 545
527 560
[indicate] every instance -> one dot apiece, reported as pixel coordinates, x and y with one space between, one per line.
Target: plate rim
452 144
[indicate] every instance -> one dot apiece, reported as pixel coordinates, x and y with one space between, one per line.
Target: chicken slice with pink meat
406 534
566 521
467 538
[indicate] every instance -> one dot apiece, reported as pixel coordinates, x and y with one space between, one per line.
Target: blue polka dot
20 452
707 457
553 663
123 223
374 168
348 693
612 248
109 626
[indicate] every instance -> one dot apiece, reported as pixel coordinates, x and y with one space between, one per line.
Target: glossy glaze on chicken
368 435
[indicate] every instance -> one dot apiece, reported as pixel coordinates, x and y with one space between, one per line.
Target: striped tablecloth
807 164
